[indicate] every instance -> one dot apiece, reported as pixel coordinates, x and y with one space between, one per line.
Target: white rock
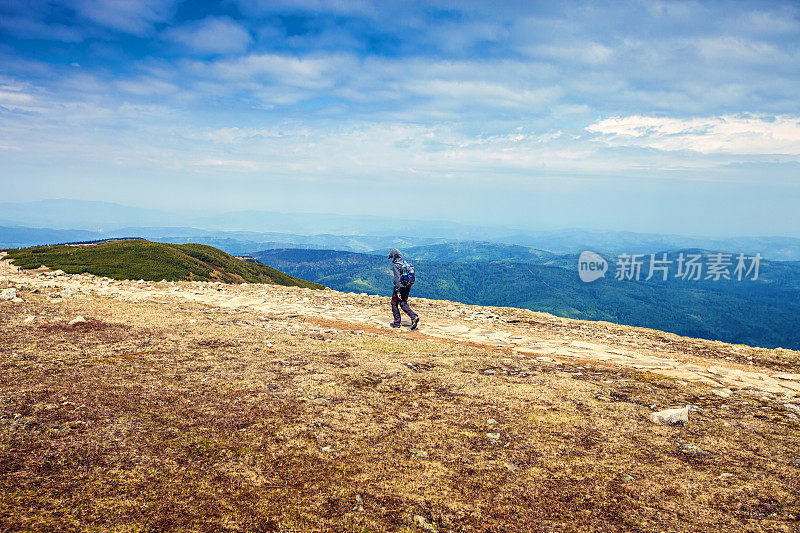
29 320
788 377
8 294
59 273
722 393
792 407
424 524
77 320
17 300
671 417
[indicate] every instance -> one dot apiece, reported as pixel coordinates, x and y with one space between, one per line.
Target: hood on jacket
395 255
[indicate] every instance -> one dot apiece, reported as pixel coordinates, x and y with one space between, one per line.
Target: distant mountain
20 237
233 242
759 313
616 242
138 259
263 229
81 215
472 251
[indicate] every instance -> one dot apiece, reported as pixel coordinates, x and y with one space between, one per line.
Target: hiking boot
394 325
414 322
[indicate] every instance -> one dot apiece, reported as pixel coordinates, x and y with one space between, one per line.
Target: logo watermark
684 266
591 266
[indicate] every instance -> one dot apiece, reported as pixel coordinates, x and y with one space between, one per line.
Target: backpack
407 274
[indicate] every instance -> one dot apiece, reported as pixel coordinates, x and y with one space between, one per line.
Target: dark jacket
397 268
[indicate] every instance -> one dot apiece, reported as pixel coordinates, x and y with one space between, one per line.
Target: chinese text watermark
683 266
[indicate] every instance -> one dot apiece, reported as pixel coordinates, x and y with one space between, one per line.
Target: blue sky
672 117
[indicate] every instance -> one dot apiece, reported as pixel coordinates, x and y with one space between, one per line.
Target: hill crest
151 261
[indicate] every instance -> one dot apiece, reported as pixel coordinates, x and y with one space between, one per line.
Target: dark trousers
400 298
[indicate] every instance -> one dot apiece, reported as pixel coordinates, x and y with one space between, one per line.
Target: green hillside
153 261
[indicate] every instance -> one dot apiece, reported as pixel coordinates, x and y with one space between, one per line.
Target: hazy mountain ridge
331 231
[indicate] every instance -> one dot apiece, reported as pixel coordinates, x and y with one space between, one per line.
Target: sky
667 117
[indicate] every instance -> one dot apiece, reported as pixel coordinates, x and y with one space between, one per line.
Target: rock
725 476
545 359
419 454
59 272
17 300
491 422
494 437
8 294
29 320
690 449
64 293
671 417
722 393
424 523
327 449
788 377
77 320
792 407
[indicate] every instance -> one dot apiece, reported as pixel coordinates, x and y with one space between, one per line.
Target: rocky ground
201 406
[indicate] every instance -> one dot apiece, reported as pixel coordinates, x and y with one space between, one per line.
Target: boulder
77 320
672 417
8 294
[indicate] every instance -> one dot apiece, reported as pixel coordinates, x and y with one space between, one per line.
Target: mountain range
242 231
763 312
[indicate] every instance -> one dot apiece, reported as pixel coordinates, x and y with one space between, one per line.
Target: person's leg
395 310
404 303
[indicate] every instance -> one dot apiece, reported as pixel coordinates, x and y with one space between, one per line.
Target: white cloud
14 98
130 16
211 36
147 86
727 134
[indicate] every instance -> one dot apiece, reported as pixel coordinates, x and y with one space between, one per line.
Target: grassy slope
136 259
152 418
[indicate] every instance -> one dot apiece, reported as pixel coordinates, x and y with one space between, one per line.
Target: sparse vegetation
153 416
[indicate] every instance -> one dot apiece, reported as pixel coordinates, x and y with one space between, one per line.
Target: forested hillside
761 313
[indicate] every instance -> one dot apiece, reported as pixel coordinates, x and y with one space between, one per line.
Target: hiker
403 279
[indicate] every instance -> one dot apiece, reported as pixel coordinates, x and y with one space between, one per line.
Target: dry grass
155 417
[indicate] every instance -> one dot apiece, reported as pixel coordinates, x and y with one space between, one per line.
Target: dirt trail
524 333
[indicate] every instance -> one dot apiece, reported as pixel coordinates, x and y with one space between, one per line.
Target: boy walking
400 291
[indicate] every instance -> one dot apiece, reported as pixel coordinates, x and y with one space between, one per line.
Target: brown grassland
155 417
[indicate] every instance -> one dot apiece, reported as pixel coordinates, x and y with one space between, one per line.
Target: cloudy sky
673 117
